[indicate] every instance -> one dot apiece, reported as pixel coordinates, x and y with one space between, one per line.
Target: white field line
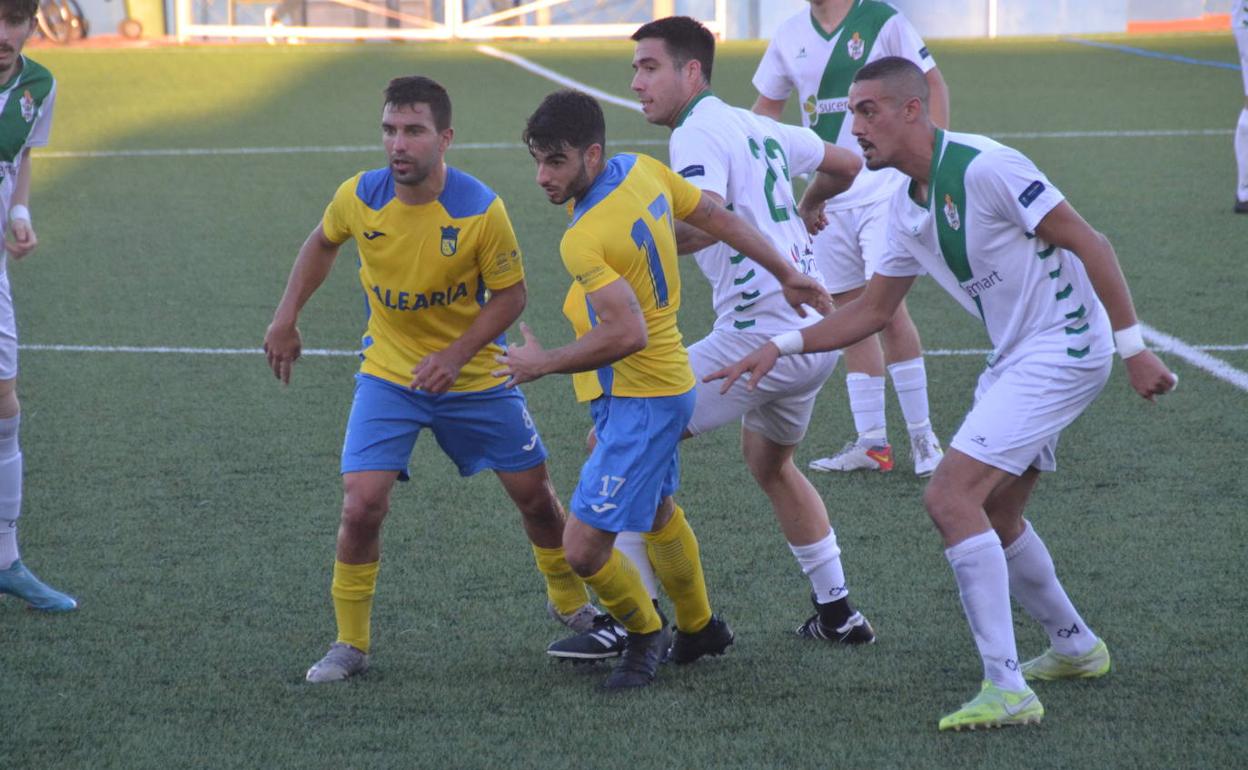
555 77
189 152
1195 356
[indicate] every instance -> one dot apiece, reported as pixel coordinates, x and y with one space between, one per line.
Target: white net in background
294 21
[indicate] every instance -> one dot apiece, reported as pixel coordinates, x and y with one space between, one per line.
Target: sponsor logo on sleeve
923 54
692 171
1032 192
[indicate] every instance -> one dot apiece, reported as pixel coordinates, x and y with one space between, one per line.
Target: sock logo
1011 664
1066 633
837 591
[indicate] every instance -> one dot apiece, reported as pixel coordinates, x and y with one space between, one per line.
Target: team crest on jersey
450 241
856 47
951 213
28 106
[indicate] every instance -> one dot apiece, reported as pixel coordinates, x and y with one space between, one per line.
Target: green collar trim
931 174
684 114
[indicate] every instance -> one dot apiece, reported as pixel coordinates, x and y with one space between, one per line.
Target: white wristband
19 212
1129 341
789 343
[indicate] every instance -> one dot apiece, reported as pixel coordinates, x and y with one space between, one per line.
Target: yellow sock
621 591
353 588
674 553
564 588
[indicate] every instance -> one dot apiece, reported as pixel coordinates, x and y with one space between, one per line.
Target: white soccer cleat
341 662
926 451
857 456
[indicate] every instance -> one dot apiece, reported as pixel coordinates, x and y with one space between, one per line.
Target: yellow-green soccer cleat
995 707
1053 665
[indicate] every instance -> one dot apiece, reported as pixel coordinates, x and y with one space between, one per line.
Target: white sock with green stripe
1034 583
1241 154
984 583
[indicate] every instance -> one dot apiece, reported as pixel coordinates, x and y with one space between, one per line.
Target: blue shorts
482 430
636 462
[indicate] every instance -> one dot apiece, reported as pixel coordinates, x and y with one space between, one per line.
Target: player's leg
803 520
955 501
1241 128
903 351
1075 651
15 578
543 519
840 259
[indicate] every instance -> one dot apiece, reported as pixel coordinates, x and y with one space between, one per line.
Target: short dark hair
418 89
902 74
566 117
19 9
685 39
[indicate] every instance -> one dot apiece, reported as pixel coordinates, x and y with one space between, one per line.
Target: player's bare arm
620 332
22 232
711 217
938 98
437 372
835 175
1064 227
772 108
850 323
282 342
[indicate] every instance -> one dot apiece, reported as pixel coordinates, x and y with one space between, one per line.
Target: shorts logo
604 507
856 47
28 106
532 443
951 213
691 171
450 241
1032 192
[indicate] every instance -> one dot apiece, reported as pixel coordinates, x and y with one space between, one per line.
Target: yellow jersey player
629 364
442 273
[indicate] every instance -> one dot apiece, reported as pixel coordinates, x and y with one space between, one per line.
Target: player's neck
830 13
7 75
427 191
680 114
916 160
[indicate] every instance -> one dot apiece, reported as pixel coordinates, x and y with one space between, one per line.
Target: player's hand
755 365
813 217
22 239
521 363
437 372
800 289
1149 376
282 347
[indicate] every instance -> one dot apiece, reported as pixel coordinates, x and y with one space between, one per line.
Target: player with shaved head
1000 238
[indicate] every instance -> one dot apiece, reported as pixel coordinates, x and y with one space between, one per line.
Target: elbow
635 340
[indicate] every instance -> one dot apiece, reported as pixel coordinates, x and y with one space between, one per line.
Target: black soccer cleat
640 661
856 630
605 639
713 639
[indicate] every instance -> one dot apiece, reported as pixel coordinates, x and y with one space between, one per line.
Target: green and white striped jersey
25 121
748 160
821 67
976 237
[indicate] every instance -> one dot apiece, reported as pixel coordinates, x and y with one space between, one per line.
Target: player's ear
446 137
593 155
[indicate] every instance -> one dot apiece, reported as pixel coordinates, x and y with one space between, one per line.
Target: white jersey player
999 237
1239 28
815 53
27 93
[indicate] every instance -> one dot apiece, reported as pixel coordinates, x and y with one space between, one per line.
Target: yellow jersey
425 269
624 227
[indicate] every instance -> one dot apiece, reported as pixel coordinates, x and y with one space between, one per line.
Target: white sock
633 545
983 581
910 385
1034 583
821 562
1241 154
10 490
866 401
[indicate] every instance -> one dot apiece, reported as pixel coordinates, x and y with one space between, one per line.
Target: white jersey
1239 14
25 121
748 160
976 237
821 67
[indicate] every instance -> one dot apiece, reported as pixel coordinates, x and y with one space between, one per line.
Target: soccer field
190 501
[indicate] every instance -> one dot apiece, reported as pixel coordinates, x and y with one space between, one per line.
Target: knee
584 560
539 504
363 511
941 503
9 406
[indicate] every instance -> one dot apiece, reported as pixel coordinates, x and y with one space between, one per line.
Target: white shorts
779 408
852 244
1241 40
1024 402
8 328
